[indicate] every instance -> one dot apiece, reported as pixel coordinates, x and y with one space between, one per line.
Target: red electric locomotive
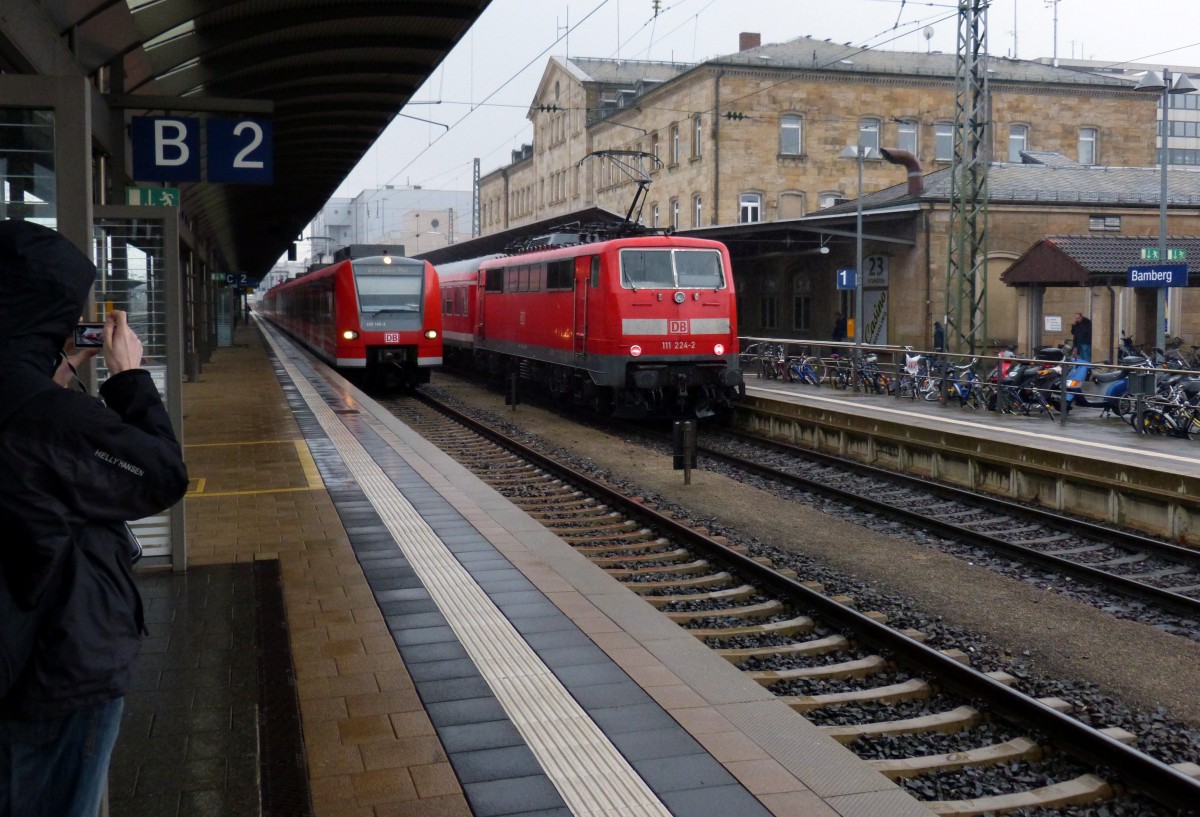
641 326
377 318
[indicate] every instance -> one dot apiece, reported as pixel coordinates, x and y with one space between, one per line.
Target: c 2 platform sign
167 149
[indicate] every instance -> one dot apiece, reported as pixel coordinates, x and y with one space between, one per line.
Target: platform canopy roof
332 74
1088 260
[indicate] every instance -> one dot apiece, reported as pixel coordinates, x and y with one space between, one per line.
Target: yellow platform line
255 491
247 442
312 476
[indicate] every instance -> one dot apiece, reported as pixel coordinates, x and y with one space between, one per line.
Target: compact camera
89 334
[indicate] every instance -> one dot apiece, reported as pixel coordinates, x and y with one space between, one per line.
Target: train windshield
389 290
671 269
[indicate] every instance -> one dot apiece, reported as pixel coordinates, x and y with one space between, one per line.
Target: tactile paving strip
588 771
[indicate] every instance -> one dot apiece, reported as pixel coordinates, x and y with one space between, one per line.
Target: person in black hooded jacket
73 470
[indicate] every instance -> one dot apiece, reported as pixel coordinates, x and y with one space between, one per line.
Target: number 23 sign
876 276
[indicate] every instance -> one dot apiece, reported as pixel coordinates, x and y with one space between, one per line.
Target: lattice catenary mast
966 271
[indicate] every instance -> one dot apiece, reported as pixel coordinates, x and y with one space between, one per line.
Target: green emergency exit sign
152 196
1173 254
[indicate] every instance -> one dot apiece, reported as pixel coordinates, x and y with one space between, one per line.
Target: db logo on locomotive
678 328
391 337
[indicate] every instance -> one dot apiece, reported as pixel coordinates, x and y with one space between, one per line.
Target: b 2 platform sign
847 278
167 149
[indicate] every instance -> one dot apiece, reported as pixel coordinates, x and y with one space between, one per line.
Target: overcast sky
485 85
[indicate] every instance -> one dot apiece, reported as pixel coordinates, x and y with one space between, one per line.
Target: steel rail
1156 779
1132 588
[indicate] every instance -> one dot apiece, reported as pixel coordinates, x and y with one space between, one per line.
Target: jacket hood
44 284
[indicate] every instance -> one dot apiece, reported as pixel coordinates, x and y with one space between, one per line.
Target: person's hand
72 358
122 347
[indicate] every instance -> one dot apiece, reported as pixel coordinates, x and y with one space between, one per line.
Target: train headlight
430 334
350 334
719 349
636 351
680 297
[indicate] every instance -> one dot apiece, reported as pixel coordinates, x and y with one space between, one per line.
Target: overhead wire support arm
631 164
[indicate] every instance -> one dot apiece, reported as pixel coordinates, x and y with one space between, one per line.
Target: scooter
1104 390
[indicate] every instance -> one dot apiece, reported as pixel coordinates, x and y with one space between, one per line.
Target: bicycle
807 369
861 372
839 372
962 383
913 375
1025 388
772 365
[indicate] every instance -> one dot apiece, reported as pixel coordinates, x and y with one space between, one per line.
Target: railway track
1126 563
924 717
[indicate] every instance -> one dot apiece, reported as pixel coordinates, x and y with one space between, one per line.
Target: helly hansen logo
678 328
120 463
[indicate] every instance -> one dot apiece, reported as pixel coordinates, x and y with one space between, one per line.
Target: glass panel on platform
131 267
27 180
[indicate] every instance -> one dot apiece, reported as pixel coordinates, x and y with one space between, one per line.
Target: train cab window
647 269
595 282
667 269
699 268
494 281
390 292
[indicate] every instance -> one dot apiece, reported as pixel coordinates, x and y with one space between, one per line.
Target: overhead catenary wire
903 6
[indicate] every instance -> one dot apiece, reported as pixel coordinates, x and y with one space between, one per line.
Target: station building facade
756 135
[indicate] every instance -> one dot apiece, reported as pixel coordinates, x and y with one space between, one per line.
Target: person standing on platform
74 470
838 335
1081 337
939 337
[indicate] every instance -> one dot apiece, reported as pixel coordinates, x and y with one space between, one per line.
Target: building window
906 138
790 133
828 199
674 214
801 313
1018 141
791 205
674 144
1087 146
696 212
868 137
749 208
697 137
1107 224
654 150
943 141
766 311
653 215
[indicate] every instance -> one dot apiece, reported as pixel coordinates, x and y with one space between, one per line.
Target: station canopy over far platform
589 220
1088 260
332 76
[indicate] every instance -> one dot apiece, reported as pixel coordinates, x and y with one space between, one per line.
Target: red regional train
376 318
637 326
